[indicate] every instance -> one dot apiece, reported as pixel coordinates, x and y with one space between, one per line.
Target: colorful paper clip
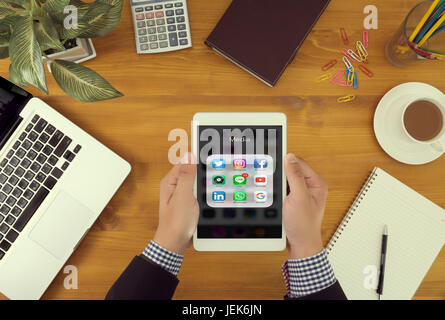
345 52
365 39
366 71
363 53
355 83
337 76
323 77
348 64
350 76
346 98
355 56
329 65
344 36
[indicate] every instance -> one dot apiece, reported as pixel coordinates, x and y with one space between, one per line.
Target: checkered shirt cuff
308 275
166 259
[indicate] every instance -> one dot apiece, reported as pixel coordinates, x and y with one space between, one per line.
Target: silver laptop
55 179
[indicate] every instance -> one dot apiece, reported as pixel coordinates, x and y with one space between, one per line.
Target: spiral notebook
416 235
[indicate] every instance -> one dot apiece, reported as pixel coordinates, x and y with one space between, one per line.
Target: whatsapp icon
239 196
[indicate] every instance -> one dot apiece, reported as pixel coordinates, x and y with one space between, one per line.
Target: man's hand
303 208
178 208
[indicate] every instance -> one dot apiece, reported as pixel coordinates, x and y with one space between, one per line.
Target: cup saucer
388 123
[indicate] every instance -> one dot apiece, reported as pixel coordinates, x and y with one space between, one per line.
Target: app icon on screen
260 196
260 180
218 196
239 180
239 163
239 196
218 164
260 163
219 180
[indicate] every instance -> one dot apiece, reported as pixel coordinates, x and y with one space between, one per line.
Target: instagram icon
239 163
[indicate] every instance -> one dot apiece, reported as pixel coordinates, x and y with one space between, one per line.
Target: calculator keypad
162 27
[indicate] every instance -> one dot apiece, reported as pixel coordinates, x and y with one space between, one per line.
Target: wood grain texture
162 92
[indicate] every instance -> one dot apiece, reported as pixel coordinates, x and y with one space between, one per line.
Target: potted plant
34 30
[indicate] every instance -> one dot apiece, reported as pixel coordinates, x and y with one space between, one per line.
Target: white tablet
240 183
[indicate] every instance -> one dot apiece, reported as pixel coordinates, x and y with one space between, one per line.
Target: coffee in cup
423 121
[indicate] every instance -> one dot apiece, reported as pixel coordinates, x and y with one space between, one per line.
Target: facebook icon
218 196
260 163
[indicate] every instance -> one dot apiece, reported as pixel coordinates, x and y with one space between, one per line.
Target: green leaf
104 23
55 6
36 10
66 34
26 55
82 7
55 9
81 82
4 12
47 35
15 77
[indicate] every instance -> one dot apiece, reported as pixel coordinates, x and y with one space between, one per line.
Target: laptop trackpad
62 225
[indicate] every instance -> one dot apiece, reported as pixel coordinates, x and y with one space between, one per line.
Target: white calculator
160 25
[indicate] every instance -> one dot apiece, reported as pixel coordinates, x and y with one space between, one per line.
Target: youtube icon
260 180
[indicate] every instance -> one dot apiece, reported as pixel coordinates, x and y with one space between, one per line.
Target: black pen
382 261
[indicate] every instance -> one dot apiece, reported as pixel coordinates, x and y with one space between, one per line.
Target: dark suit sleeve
334 292
143 280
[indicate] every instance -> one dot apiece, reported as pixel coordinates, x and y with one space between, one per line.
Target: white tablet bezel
242 119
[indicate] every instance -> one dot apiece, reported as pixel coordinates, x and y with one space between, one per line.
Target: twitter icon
218 164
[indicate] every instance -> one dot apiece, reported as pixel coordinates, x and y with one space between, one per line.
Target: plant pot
82 51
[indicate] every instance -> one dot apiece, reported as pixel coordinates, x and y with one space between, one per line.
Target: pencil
434 28
425 17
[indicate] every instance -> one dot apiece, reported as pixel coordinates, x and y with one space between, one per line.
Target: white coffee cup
438 142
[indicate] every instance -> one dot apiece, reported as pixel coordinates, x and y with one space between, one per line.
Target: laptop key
2 254
53 160
20 153
31 154
50 182
4 228
33 136
19 172
22 136
14 161
7 189
16 145
46 168
41 158
50 129
27 144
57 173
3 163
54 141
34 186
17 192
31 209
22 203
23 184
13 180
37 146
8 170
10 220
4 209
40 177
28 194
40 125
16 211
11 236
44 138
35 167
65 165
29 175
47 150
62 146
11 201
28 127
5 245
35 118
2 197
3 178
25 163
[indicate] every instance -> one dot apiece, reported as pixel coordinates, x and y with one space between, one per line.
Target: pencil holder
402 49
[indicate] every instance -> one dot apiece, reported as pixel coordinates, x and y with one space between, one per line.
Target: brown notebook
263 36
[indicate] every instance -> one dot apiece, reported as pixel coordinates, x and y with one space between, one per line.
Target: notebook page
416 235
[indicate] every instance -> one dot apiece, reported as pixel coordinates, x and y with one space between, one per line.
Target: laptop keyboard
31 168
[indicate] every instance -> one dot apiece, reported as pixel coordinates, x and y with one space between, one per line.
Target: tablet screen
239 182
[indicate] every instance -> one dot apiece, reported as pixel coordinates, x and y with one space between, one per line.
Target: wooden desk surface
162 92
